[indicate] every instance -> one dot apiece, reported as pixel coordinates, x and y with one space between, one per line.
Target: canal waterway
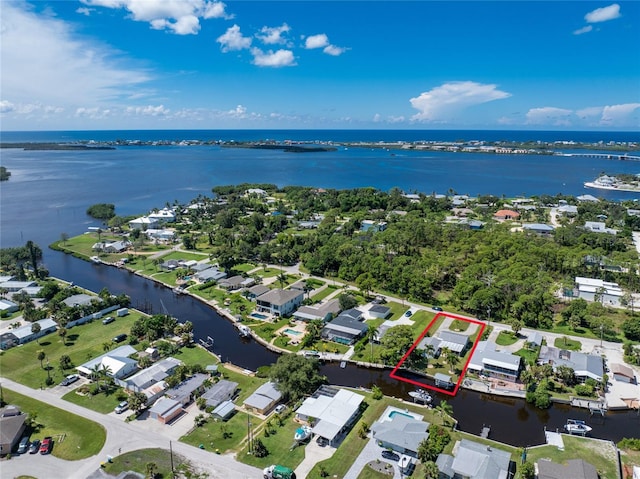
512 420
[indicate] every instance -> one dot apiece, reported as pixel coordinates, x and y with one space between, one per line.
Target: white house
279 302
165 215
117 362
490 362
590 288
143 223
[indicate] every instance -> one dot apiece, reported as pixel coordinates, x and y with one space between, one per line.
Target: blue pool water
399 413
258 316
292 331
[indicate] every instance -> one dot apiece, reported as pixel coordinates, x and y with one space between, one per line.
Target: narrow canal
512 421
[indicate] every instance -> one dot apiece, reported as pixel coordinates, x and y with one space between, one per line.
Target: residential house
330 411
117 362
279 302
373 226
11 286
504 215
220 392
165 410
623 373
25 334
210 274
567 210
400 431
155 373
489 361
79 300
539 229
144 223
344 330
164 215
234 282
472 460
534 339
264 399
379 311
8 307
12 426
188 390
591 289
587 199
572 469
160 234
324 312
584 365
254 291
455 342
599 227
224 411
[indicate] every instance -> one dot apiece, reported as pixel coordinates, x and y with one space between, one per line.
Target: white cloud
6 106
549 115
279 58
148 110
93 113
603 14
442 102
585 29
232 40
620 114
45 63
273 35
85 11
180 16
589 112
316 41
333 50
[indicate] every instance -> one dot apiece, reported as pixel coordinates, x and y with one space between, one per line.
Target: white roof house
500 364
589 288
143 223
115 358
264 398
331 413
599 227
7 306
164 215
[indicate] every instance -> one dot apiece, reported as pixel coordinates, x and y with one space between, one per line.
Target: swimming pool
392 414
292 331
259 316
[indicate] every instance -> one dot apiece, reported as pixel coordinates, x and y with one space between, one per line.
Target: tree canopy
296 376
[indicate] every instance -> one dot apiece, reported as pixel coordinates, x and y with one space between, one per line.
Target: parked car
408 313
280 408
72 378
35 446
436 308
108 319
119 338
122 407
46 445
24 445
390 455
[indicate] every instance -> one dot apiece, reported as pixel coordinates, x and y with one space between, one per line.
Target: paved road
121 437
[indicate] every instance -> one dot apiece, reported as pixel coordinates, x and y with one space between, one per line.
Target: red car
46 445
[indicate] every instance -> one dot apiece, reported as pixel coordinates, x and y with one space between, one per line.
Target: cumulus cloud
93 113
182 17
549 115
316 41
85 11
442 102
603 14
45 63
279 58
273 35
6 106
148 110
619 114
232 40
333 50
585 29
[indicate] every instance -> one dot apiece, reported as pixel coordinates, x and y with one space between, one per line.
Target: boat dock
599 407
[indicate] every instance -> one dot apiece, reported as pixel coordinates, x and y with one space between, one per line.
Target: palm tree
429 352
431 470
41 355
371 334
62 332
444 409
151 469
35 329
106 346
452 358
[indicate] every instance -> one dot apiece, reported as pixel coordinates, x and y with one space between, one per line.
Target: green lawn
137 461
567 343
83 342
316 298
602 455
506 338
219 436
81 438
178 255
104 402
244 267
528 355
278 443
368 473
459 325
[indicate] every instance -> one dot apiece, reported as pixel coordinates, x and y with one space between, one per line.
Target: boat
343 364
575 426
421 395
244 331
95 259
179 290
302 433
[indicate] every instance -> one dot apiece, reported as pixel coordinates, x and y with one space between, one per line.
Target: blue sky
191 64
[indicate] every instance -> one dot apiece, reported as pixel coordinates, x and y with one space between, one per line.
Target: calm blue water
49 191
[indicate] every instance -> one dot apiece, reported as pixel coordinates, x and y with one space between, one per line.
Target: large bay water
49 192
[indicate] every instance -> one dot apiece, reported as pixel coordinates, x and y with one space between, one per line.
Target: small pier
594 407
554 439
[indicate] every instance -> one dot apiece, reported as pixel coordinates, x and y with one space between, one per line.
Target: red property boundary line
415 344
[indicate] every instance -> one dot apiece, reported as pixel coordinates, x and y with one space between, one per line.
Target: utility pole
173 474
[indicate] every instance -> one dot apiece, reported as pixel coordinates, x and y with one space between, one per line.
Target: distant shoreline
33 146
619 187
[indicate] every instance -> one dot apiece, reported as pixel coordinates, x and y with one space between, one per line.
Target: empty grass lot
83 342
82 438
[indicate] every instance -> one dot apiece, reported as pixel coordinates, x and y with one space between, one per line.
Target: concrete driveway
370 452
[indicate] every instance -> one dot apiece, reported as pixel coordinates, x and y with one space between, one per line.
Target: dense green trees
102 211
296 375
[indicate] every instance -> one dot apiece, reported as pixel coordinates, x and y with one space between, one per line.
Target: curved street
121 437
